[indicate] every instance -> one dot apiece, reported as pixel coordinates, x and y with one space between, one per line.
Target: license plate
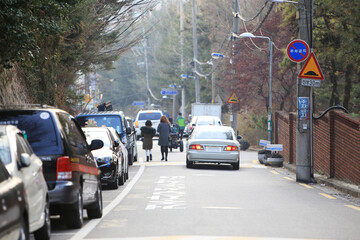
213 149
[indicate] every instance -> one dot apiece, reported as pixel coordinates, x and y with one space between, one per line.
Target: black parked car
109 158
70 170
115 119
12 211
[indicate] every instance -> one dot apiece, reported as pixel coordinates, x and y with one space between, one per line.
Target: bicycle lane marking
94 222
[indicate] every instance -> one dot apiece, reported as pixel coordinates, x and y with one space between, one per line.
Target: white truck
206 109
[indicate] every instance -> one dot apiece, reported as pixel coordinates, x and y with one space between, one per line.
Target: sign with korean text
169 92
264 142
303 108
274 147
298 50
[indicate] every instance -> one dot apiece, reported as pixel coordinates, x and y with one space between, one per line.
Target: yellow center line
305 185
353 207
288 178
327 196
275 172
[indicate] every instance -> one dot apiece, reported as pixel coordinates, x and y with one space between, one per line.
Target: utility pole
304 127
183 103
147 69
234 107
195 49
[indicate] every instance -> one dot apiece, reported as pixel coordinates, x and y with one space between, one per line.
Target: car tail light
63 168
231 148
136 124
196 147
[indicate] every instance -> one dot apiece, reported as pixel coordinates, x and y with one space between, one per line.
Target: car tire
236 166
131 159
24 230
44 232
75 217
181 146
122 178
115 183
189 164
96 210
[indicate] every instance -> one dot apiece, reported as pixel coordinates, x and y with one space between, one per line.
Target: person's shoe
150 157
162 159
147 158
165 158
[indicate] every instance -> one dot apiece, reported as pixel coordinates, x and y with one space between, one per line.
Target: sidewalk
347 188
352 189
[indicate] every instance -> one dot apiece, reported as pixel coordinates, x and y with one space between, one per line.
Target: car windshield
149 116
213 134
100 121
37 127
207 121
4 149
91 135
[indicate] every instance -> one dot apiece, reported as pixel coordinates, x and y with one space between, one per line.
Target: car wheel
131 159
75 217
115 183
189 164
24 230
122 178
181 146
45 231
96 210
236 166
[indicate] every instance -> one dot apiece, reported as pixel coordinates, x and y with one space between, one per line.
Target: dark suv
71 173
115 119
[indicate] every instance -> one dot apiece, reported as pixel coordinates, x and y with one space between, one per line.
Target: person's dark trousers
164 149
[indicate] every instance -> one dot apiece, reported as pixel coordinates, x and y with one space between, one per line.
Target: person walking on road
164 130
148 132
180 121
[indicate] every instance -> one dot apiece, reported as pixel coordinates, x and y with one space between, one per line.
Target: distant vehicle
12 211
123 149
70 170
206 109
191 125
20 161
213 144
143 115
109 158
115 119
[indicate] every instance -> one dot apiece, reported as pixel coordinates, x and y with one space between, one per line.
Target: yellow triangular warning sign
233 99
311 69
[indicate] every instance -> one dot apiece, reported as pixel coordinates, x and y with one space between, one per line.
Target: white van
143 115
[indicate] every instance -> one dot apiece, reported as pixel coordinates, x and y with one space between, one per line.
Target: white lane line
94 222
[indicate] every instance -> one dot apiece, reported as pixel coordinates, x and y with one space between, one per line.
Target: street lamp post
250 35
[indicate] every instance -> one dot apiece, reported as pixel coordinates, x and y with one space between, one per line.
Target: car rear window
97 135
149 116
101 121
38 128
213 134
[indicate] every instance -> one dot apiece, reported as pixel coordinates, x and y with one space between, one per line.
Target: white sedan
213 144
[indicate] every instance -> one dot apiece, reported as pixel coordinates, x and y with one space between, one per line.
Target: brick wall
336 144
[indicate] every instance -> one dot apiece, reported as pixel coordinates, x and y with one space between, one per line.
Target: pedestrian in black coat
164 130
148 132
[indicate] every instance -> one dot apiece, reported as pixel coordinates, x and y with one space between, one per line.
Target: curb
351 189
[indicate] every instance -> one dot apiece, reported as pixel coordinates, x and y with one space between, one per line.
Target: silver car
20 160
213 144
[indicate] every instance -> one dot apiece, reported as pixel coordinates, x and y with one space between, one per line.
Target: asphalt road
165 200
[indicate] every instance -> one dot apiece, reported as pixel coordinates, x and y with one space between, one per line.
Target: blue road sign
169 92
303 108
172 85
185 76
217 55
138 103
298 50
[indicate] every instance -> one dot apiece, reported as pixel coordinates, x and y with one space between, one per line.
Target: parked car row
50 165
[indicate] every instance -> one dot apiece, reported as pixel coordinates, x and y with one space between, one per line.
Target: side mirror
96 144
128 130
239 138
116 144
193 125
25 160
